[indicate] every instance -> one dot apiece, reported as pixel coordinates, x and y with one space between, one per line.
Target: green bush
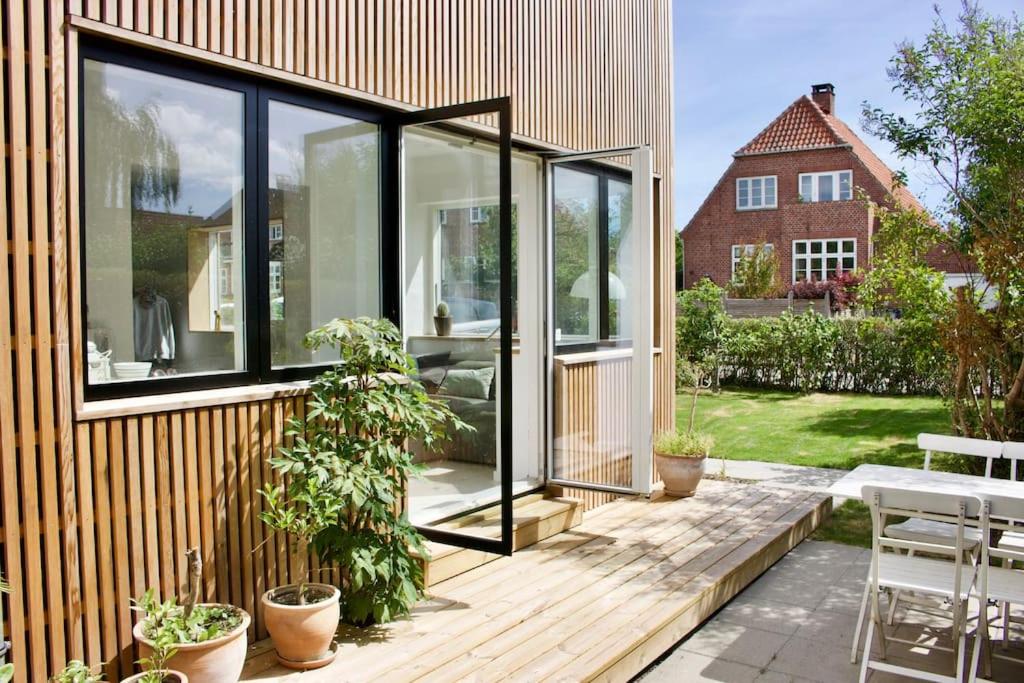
683 443
809 352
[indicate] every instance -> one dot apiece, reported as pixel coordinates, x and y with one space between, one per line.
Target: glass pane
832 246
801 247
831 264
806 188
769 191
163 187
755 192
576 244
816 247
845 186
452 245
324 211
849 263
849 246
620 258
744 193
825 193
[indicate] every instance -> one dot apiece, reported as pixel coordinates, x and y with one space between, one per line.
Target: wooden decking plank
585 607
514 600
535 597
597 602
655 625
664 593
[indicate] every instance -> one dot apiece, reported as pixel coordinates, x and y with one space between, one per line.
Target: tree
757 274
965 81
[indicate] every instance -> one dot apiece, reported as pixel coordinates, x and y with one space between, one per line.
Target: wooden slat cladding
92 513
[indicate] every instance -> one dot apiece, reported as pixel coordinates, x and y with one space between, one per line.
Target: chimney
824 95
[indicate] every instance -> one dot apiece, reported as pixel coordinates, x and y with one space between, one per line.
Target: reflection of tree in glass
620 220
133 150
473 270
574 220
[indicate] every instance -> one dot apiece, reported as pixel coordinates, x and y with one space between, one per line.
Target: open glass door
600 313
456 218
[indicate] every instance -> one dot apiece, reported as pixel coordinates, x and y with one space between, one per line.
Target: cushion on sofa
468 382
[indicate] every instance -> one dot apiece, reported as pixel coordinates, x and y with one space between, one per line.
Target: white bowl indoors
126 370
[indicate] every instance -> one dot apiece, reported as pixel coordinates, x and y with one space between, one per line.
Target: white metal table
921 480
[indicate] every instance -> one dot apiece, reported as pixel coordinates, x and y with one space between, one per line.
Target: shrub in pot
349 464
75 672
6 670
302 617
155 669
680 459
209 638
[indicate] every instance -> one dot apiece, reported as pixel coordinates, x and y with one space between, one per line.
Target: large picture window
822 259
592 221
213 242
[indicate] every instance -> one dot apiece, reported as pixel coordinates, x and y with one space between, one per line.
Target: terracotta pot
216 661
302 634
170 676
443 326
681 473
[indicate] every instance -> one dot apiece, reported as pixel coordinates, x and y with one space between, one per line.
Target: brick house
794 186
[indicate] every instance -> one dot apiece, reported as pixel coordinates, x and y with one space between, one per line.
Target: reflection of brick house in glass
794 186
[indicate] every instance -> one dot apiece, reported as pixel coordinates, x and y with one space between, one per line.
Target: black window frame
257 93
604 174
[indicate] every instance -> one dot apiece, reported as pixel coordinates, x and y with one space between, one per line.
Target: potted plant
209 638
76 672
349 464
302 617
154 666
681 458
442 320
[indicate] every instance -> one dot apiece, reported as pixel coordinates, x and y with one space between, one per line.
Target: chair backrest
942 507
998 513
960 445
1014 452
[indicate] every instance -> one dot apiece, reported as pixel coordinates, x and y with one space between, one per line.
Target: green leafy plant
76 672
348 467
442 310
683 444
700 326
198 625
757 274
163 649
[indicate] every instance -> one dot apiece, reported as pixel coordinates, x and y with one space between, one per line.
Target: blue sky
739 63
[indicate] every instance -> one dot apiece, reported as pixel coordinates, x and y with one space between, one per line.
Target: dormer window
756 193
826 187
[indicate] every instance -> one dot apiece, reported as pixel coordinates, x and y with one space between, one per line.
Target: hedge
809 352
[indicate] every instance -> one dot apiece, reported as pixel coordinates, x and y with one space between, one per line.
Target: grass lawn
819 430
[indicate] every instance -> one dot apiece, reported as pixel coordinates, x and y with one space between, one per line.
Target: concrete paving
795 623
775 474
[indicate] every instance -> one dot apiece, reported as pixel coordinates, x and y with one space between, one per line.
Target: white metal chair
929 531
1012 540
1004 585
950 580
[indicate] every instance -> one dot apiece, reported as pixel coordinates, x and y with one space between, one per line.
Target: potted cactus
442 320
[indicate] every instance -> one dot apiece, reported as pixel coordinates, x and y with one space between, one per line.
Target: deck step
534 518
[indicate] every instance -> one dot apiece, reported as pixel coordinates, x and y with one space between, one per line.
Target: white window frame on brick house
809 186
738 251
745 188
832 253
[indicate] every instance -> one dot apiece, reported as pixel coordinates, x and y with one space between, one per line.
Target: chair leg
860 622
961 642
895 601
1006 626
866 656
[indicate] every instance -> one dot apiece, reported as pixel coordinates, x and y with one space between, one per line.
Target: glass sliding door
458 313
601 304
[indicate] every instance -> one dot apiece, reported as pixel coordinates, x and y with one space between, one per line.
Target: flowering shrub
842 289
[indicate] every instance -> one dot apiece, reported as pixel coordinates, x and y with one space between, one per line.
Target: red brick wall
717 225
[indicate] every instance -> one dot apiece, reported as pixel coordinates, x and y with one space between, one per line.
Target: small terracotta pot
170 676
303 634
443 326
681 473
216 661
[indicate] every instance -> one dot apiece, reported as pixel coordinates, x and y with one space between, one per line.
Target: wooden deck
597 602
